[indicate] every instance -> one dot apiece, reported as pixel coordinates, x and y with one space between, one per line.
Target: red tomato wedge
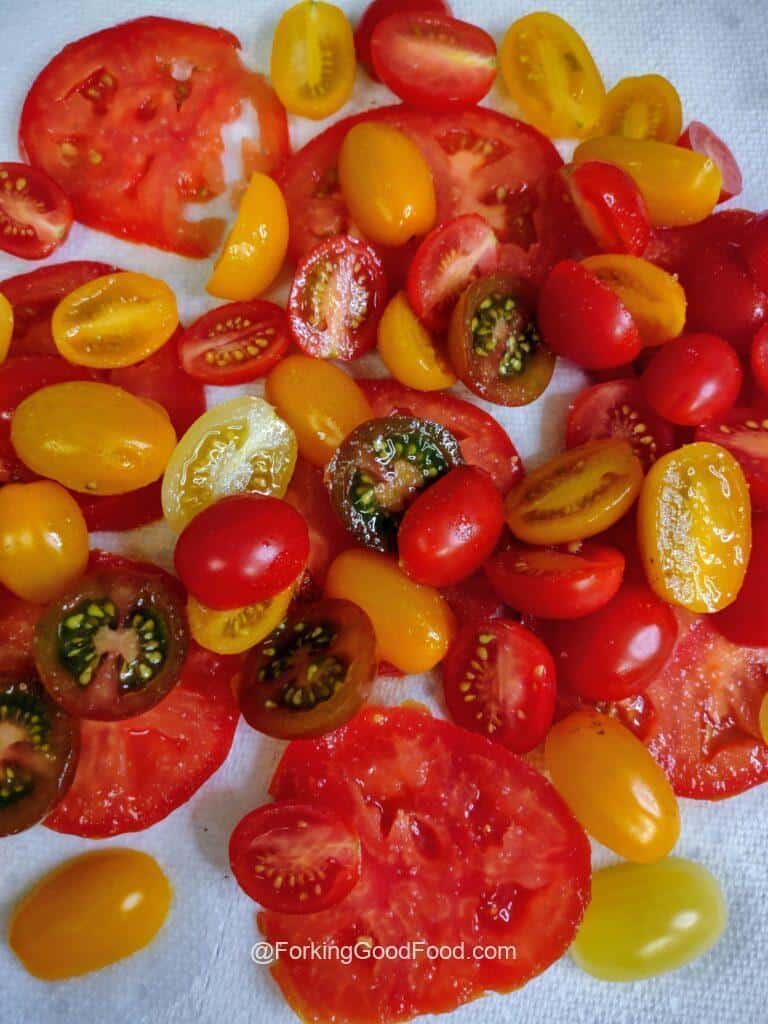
482 441
376 12
703 140
35 215
462 842
128 122
744 432
235 343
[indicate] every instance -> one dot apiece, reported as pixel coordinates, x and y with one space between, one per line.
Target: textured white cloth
199 970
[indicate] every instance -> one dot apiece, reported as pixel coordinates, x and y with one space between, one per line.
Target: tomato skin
643 107
582 319
703 140
758 358
307 493
408 350
376 12
745 621
35 213
451 528
235 343
693 379
611 206
755 249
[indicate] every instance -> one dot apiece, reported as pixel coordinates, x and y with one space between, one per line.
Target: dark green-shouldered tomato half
312 674
380 468
113 646
494 344
39 744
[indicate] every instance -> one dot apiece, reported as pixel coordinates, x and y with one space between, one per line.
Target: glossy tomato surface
235 343
35 214
693 379
376 12
744 433
610 205
699 137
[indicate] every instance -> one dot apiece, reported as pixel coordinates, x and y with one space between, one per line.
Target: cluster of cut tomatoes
606 606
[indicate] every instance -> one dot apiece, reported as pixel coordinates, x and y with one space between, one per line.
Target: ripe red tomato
451 528
756 250
703 140
376 12
692 379
583 319
746 620
242 549
556 583
744 432
473 599
18 619
35 214
610 205
758 358
327 536
235 343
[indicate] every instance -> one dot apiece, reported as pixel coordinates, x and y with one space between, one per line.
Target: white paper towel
199 969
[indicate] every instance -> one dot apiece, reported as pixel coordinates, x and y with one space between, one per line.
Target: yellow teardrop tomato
6 326
386 183
235 630
320 402
409 351
95 438
313 59
576 494
764 719
43 540
254 250
655 298
551 75
613 786
645 107
115 320
239 447
646 919
413 624
680 187
90 912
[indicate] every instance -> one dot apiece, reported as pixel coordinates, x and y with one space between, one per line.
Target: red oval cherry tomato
235 343
610 205
744 432
756 250
745 621
376 12
242 549
451 528
692 379
703 140
35 214
758 358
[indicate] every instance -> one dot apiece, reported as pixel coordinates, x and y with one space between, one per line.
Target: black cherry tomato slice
235 343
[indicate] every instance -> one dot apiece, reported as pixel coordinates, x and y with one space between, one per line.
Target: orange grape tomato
6 326
409 351
643 107
551 75
319 402
576 494
115 320
235 630
764 719
90 912
92 437
695 527
413 623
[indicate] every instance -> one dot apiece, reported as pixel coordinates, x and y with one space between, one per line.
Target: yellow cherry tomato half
91 437
43 540
680 187
235 630
115 320
386 183
695 527
254 250
313 61
551 75
655 298
764 719
6 326
90 912
409 351
643 107
647 919
320 402
238 447
413 624
613 786
576 494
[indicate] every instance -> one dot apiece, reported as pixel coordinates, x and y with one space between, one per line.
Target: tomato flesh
35 214
235 343
744 433
703 140
376 12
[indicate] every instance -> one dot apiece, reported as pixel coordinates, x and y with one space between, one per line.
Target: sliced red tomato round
295 858
433 61
703 140
482 441
128 122
308 494
376 12
462 843
745 621
235 343
35 214
744 432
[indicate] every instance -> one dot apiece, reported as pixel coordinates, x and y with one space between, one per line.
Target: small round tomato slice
312 674
494 343
313 847
744 433
701 139
114 645
556 583
337 298
380 468
235 343
376 12
38 752
35 214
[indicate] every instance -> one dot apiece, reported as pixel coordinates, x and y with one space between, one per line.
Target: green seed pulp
303 644
499 320
20 706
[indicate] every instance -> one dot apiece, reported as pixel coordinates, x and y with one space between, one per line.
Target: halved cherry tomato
644 107
694 527
693 379
556 583
494 343
758 358
654 298
703 140
376 12
550 73
409 351
576 494
311 848
432 61
336 299
6 326
114 321
746 620
35 214
238 629
235 343
744 433
308 494
611 206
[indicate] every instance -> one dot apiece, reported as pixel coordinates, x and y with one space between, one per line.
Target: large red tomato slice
128 121
464 845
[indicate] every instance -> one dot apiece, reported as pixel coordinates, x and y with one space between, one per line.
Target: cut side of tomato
701 139
35 215
744 432
376 12
235 343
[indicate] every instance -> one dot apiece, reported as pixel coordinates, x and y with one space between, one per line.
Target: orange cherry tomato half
645 107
